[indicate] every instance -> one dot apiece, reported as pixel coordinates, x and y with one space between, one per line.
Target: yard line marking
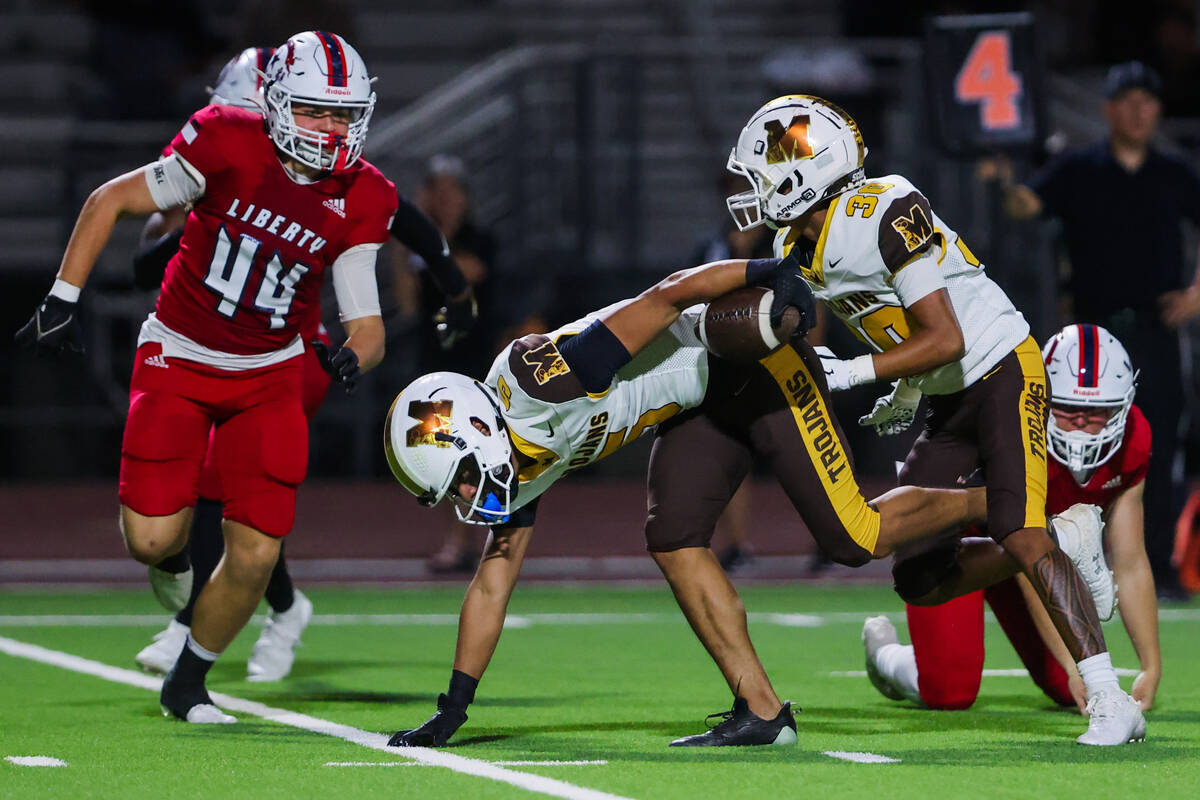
785 619
493 763
374 741
987 673
862 758
36 761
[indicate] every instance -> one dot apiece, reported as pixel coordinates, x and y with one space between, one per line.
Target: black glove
436 731
340 362
54 329
455 319
792 290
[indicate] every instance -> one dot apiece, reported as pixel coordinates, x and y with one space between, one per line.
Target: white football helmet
240 82
796 151
1087 366
444 430
316 68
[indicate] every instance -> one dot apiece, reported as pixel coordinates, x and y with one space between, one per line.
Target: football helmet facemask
318 69
241 80
1088 367
796 151
444 431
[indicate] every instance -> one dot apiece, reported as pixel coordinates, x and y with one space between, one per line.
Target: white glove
893 413
842 374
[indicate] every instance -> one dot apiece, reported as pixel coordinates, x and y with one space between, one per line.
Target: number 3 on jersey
229 271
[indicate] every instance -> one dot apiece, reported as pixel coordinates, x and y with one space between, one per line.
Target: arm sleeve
920 277
150 263
173 182
354 283
595 355
417 232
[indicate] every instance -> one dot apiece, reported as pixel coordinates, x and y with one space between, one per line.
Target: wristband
65 291
861 370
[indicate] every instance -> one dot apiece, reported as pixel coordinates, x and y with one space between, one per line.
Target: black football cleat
741 727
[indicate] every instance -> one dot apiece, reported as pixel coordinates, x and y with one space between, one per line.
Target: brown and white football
737 325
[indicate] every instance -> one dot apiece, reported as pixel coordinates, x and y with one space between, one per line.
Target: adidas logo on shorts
157 360
337 205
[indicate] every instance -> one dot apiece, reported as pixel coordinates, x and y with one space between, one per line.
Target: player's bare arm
125 195
365 337
1139 605
936 340
486 602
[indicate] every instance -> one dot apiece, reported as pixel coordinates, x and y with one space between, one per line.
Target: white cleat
1114 718
205 714
1079 531
274 652
876 632
160 656
171 589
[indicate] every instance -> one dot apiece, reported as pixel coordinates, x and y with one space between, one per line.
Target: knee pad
664 534
919 575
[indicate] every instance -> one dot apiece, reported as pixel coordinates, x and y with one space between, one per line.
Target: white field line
494 763
790 619
987 673
36 761
862 758
374 741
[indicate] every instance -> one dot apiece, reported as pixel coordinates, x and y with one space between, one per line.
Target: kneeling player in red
274 209
1100 443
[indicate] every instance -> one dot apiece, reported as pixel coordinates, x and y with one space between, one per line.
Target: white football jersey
880 251
553 420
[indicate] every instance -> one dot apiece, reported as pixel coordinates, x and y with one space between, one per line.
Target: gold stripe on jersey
542 458
825 448
1033 431
819 254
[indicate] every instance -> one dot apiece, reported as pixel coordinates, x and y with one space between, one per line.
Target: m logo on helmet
433 418
915 228
788 145
546 361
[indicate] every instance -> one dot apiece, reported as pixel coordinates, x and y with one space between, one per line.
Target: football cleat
191 704
171 589
1079 532
876 632
740 726
274 652
1113 718
159 656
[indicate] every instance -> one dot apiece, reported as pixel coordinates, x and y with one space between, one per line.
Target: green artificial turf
568 688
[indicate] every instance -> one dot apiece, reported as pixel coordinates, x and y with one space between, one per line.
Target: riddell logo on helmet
334 90
1085 392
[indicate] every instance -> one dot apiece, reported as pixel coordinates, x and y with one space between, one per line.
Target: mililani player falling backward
240 84
907 285
274 209
1100 446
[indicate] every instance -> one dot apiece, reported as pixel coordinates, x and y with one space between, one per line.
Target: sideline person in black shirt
1122 203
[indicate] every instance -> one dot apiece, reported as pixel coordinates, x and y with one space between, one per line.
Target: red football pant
259 438
948 645
316 386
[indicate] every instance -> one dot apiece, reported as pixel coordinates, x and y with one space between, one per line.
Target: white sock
1098 674
202 653
898 663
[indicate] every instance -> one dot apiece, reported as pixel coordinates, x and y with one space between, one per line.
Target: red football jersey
256 246
1126 468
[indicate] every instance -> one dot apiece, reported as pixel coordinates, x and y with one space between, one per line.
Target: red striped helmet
1088 368
316 68
241 80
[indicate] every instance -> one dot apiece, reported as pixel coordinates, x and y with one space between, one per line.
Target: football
737 325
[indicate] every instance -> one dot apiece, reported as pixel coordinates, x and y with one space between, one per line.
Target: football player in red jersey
1100 443
274 209
240 84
